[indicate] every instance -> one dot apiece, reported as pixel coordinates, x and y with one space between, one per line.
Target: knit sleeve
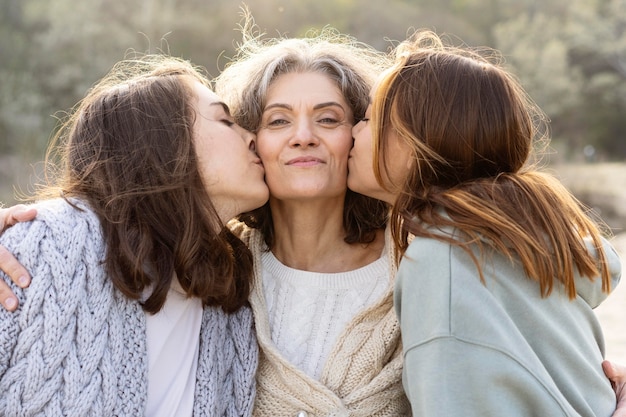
52 347
24 242
227 364
8 327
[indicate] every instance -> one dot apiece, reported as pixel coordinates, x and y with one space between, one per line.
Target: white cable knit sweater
307 311
363 375
77 347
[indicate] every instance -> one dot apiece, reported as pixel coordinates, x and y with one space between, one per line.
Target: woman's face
231 170
361 162
305 137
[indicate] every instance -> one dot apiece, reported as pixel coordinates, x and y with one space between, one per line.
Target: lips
259 163
305 161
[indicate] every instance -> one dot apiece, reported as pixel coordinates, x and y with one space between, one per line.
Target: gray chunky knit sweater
77 347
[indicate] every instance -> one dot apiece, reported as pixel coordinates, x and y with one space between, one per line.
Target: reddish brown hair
471 130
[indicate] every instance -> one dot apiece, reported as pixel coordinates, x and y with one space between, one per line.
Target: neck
310 236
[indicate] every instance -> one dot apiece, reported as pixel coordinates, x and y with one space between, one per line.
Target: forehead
203 93
304 85
207 101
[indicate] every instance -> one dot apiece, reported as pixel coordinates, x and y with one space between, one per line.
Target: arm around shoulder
55 248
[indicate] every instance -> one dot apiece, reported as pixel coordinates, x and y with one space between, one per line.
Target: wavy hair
472 129
351 65
127 149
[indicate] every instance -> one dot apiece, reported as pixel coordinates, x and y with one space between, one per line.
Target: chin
353 184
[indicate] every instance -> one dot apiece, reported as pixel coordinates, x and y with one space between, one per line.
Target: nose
248 137
357 128
304 134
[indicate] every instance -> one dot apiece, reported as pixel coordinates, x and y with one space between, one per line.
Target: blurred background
570 55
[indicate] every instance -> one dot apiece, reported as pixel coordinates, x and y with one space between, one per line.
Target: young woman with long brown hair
138 303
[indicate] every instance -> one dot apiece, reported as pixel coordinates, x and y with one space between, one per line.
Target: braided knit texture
77 347
363 376
66 349
225 380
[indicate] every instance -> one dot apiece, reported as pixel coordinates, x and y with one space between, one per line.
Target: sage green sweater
498 349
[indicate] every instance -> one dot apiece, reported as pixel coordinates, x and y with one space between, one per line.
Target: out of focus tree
598 48
538 53
569 54
572 60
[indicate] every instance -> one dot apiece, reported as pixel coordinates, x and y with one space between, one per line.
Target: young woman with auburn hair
500 266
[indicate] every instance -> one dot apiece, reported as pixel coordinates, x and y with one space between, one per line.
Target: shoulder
592 290
59 214
63 236
63 252
426 249
56 219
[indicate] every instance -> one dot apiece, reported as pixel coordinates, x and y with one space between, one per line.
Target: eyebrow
223 105
316 107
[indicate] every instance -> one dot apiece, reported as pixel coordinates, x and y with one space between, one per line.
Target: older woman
323 293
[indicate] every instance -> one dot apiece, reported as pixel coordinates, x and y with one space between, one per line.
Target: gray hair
245 81
353 66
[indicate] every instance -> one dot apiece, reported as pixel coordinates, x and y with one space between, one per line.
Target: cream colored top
308 310
173 338
362 376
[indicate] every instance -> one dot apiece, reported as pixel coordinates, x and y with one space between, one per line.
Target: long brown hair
127 149
352 66
471 129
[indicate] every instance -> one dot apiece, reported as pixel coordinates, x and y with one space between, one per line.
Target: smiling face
230 169
305 137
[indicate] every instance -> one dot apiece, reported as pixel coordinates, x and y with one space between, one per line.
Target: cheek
400 160
344 143
263 147
363 146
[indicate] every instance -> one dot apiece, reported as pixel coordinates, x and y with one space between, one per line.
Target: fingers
11 215
17 273
8 263
617 374
7 298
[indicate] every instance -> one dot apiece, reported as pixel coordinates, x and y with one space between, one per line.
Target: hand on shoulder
8 264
